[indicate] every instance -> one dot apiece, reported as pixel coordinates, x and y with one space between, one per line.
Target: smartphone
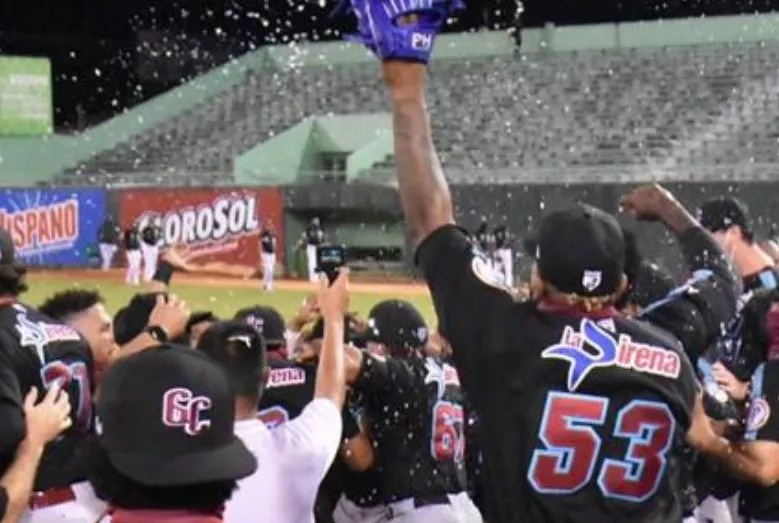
329 260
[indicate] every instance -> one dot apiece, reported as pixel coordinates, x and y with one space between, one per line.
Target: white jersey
293 458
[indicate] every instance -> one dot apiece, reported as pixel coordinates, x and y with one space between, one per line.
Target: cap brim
230 462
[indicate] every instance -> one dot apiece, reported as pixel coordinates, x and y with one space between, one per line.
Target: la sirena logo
44 227
226 217
602 350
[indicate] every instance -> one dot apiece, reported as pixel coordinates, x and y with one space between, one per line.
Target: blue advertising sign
53 227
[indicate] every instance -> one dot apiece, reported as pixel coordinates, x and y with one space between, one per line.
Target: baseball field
220 295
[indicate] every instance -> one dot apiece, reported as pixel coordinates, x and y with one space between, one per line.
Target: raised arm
696 312
424 193
331 374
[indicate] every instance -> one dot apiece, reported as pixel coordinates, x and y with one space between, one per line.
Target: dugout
366 218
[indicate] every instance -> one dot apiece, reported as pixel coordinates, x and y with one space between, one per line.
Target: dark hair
67 303
225 342
12 279
120 491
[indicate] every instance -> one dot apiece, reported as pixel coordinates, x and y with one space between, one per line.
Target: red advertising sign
217 224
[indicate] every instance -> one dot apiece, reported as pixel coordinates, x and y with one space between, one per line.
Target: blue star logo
582 362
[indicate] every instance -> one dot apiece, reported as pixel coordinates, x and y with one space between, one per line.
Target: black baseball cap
720 214
239 348
131 320
166 419
267 320
396 324
581 250
7 248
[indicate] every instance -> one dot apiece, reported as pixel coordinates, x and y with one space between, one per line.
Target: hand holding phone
330 259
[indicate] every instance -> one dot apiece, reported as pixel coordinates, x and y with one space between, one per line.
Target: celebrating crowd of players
613 393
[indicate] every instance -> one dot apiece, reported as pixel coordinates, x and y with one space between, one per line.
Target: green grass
222 301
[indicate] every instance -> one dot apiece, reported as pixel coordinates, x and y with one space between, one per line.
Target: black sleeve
3 502
762 421
468 295
754 336
697 312
11 415
391 376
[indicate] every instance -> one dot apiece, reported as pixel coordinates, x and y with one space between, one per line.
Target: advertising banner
53 227
25 96
218 225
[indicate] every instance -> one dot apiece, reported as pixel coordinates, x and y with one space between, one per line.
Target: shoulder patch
286 377
758 414
484 271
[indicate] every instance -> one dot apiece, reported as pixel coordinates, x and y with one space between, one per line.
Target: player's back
583 418
414 408
40 352
289 388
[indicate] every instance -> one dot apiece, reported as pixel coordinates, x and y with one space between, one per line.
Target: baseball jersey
295 457
108 233
36 351
150 235
267 242
289 389
762 423
415 416
314 235
132 241
579 414
768 278
745 343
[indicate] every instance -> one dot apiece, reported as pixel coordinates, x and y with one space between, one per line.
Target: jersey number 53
573 447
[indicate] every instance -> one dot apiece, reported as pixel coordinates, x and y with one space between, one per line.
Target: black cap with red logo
165 418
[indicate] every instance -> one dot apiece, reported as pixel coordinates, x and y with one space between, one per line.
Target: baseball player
37 352
295 455
132 249
567 408
268 256
754 459
108 237
313 237
43 423
413 408
290 386
150 250
166 450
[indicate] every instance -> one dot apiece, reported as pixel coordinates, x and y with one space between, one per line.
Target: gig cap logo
182 409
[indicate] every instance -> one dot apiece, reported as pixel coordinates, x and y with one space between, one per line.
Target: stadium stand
669 107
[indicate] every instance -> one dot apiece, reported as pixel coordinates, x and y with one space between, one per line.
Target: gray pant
459 510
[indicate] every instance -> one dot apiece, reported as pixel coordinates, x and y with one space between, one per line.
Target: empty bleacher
712 104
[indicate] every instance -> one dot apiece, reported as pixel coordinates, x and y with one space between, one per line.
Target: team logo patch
591 280
758 415
592 347
182 409
483 270
39 334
